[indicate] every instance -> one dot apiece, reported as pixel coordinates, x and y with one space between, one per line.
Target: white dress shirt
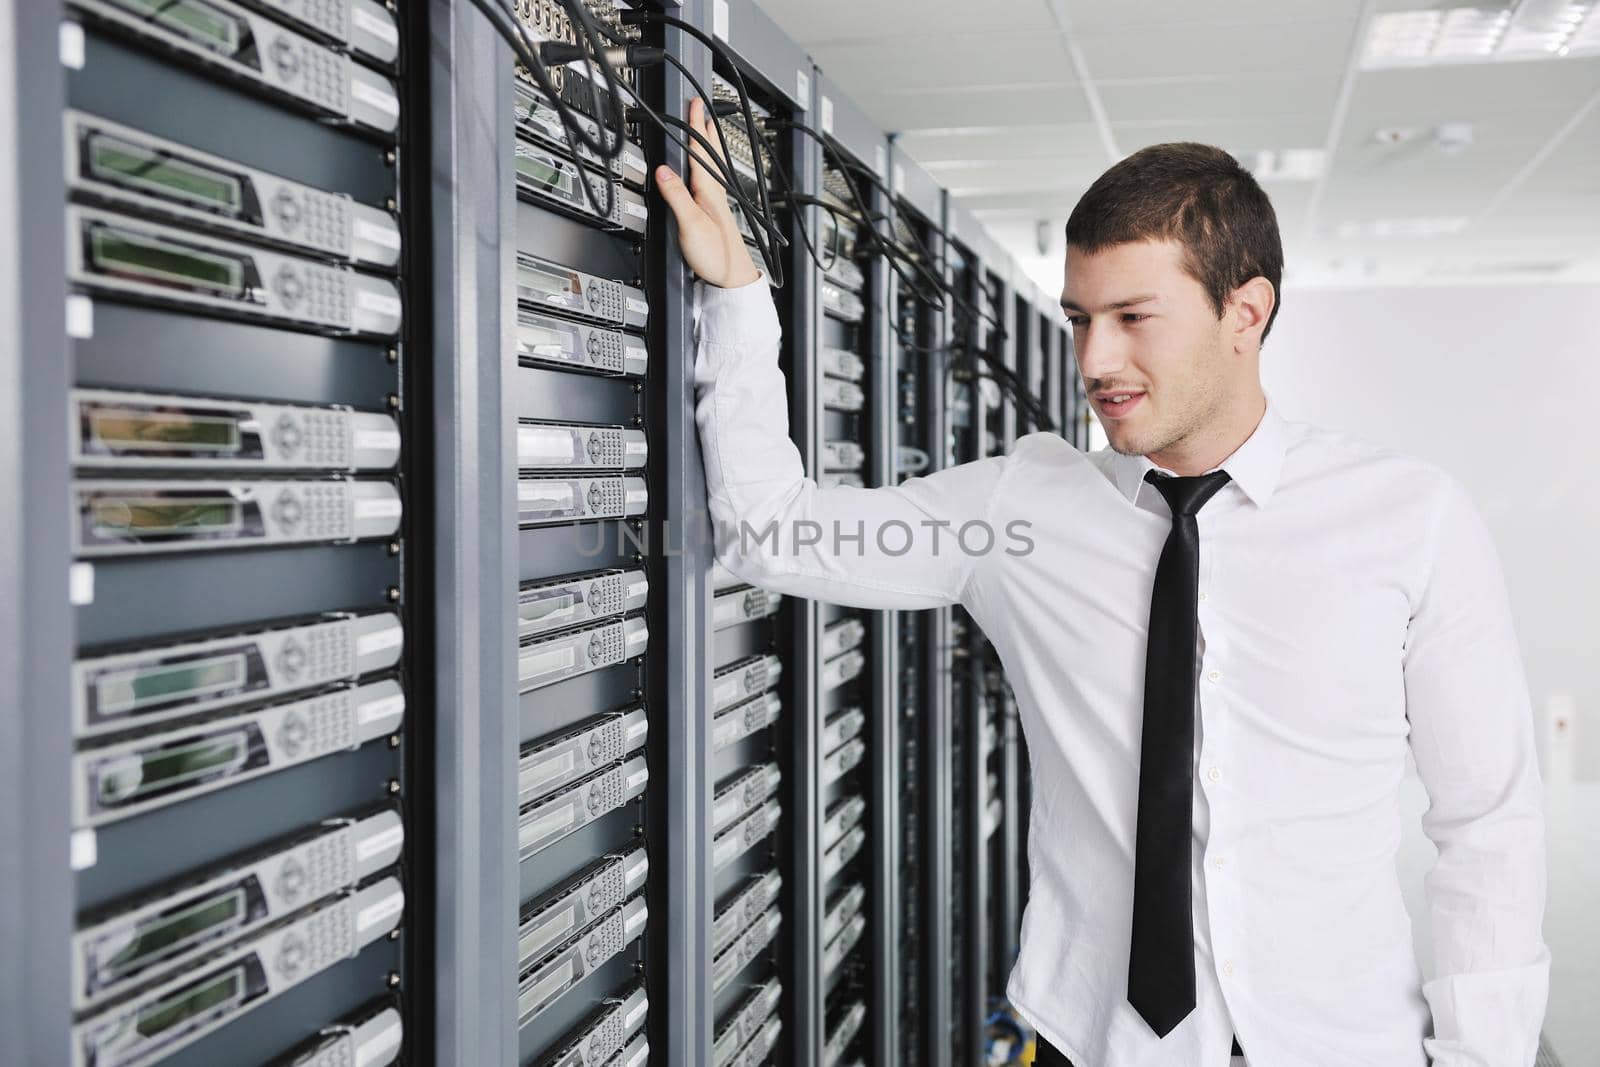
1351 610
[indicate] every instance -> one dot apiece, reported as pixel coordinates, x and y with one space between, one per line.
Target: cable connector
564 53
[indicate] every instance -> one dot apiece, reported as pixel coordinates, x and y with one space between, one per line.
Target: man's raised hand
707 234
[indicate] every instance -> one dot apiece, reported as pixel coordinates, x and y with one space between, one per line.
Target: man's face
1142 325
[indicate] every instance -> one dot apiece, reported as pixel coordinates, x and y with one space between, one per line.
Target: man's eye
1078 320
1133 316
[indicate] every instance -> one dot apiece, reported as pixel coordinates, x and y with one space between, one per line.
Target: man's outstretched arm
905 546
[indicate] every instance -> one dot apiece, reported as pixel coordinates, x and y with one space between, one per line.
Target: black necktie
1161 957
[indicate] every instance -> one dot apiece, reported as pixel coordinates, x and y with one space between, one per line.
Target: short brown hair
1198 196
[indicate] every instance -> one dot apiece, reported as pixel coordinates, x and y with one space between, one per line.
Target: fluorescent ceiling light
1422 226
1527 29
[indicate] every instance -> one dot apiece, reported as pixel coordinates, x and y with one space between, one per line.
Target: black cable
1007 379
633 17
789 196
731 186
892 248
521 40
591 34
760 219
504 20
890 251
1026 403
757 219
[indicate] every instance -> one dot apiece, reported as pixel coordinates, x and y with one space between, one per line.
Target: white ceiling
1015 106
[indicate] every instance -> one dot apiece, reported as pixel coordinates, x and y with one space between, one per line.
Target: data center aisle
408 721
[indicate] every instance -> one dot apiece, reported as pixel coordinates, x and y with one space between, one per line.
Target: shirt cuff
740 316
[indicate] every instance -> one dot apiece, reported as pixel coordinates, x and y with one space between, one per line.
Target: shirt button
1202 595
1227 969
1213 675
1214 774
1220 862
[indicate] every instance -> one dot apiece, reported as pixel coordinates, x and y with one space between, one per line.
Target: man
1226 631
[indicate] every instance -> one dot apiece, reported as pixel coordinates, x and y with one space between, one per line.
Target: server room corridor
809 533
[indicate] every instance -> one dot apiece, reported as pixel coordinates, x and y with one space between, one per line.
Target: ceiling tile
819 22
1005 142
1238 135
955 110
1088 15
1042 175
1468 92
1036 204
943 60
1222 97
1312 47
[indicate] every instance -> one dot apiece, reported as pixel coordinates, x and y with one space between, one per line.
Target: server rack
970 400
995 774
858 750
246 269
1038 374
596 374
920 329
766 980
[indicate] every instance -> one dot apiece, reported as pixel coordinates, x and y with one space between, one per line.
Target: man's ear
1249 308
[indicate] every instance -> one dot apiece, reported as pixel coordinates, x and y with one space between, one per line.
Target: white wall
1501 386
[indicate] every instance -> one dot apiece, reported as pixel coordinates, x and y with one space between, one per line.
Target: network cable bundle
404 716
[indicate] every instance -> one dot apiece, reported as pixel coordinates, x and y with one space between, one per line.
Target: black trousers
1048 1056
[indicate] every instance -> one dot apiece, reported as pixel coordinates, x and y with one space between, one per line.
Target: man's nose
1100 353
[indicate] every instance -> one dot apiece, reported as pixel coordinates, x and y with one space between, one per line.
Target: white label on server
377 508
802 87
386 440
387 103
719 18
827 114
373 710
638 306
880 160
379 303
80 584
83 850
384 29
379 913
382 236
379 640
71 45
80 317
378 844
638 211
553 659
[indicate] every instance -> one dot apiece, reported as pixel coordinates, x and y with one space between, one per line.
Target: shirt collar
1254 465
